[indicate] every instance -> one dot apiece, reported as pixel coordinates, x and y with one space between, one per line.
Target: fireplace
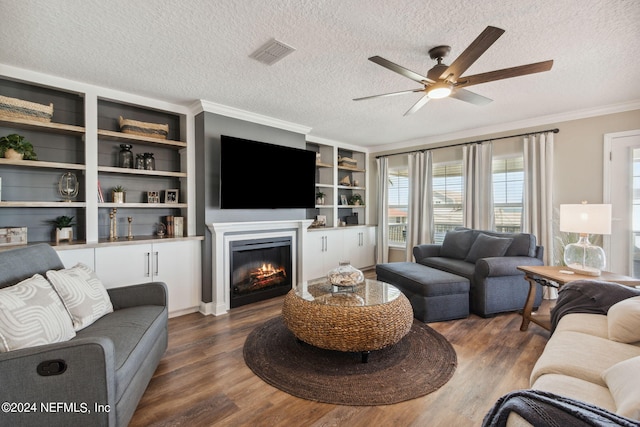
260 268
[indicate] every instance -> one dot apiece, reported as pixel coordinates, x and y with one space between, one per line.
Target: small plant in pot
356 199
16 147
117 194
320 198
64 228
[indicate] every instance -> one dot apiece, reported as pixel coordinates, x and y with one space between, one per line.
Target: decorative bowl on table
345 275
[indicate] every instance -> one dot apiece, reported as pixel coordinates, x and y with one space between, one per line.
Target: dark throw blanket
589 296
544 409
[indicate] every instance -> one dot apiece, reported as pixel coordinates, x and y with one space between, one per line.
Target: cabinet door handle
155 270
147 269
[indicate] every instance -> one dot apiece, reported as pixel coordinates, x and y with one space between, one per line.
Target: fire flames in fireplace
261 278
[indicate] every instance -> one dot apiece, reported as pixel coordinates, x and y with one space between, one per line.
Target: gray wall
209 128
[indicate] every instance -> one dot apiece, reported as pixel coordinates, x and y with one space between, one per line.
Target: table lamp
583 257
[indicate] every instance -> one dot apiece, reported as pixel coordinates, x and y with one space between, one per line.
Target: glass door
622 190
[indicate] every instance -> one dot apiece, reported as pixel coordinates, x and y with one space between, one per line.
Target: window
508 189
447 198
398 206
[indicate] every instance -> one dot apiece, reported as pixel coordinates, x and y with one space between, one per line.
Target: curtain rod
555 130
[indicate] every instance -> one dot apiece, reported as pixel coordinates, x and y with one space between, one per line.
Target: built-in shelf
350 169
323 165
60 128
113 169
41 164
347 187
126 137
31 204
83 136
350 206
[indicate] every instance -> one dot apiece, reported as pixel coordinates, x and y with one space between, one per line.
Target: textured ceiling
186 50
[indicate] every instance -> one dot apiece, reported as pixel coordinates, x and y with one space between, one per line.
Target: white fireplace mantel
225 232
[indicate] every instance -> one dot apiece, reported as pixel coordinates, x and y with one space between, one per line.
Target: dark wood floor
203 381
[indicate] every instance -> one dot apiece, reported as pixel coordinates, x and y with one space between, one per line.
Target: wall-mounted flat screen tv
257 175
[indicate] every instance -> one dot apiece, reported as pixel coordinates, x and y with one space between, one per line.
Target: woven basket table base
347 327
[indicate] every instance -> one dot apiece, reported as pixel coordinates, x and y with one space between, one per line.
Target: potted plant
16 147
117 194
356 199
320 198
64 230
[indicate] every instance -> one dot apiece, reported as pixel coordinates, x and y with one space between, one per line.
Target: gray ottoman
435 295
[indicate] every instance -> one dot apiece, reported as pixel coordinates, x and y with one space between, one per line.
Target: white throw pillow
82 293
32 314
623 319
623 379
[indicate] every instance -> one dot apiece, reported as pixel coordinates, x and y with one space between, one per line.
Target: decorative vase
149 162
12 154
118 196
125 157
139 161
319 200
345 275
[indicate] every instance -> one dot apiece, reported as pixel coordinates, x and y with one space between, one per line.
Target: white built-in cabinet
359 246
322 252
324 249
175 262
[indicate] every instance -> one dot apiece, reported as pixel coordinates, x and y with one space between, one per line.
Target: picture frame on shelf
153 197
343 200
171 196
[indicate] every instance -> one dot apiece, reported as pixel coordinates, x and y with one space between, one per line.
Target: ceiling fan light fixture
439 90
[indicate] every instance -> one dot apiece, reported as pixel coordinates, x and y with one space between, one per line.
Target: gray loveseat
490 264
98 377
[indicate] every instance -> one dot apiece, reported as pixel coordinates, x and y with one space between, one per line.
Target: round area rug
419 364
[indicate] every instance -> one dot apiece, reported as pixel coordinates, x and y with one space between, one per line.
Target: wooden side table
546 274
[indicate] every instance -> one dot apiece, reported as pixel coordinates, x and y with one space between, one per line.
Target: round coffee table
369 316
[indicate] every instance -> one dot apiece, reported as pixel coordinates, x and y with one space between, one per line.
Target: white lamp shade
585 219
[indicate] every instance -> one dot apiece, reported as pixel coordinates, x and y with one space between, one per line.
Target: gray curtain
382 239
419 217
537 212
477 204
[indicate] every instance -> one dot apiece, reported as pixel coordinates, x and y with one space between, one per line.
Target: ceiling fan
444 80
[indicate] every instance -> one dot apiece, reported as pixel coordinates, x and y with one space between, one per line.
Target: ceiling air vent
271 52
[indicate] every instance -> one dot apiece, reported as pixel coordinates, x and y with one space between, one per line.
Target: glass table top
368 293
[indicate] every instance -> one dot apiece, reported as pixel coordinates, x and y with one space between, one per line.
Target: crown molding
334 143
554 119
236 113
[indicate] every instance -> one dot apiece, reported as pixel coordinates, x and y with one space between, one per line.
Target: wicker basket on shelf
153 130
13 108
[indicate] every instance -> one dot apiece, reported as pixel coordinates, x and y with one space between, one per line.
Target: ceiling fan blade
472 53
505 73
418 105
471 97
400 70
389 94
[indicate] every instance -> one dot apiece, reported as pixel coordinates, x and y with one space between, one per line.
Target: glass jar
345 275
139 161
125 157
149 162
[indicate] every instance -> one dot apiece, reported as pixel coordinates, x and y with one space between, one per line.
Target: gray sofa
496 284
105 368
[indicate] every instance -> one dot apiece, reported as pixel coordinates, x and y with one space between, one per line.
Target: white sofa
593 358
